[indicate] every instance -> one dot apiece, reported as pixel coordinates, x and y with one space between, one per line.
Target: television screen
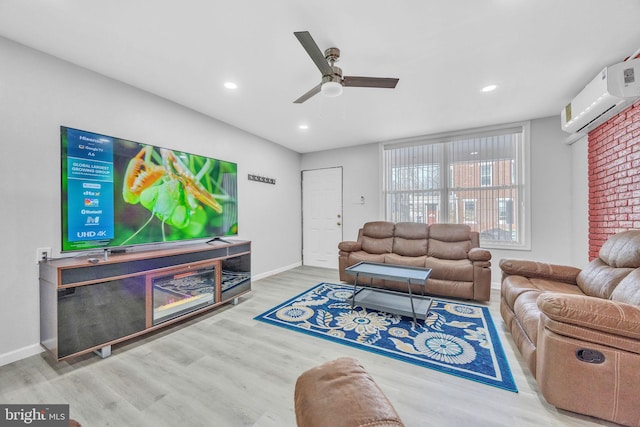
118 193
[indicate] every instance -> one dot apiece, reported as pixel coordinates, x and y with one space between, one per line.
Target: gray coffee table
390 301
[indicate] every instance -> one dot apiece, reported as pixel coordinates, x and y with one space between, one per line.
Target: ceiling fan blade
314 52
382 82
308 95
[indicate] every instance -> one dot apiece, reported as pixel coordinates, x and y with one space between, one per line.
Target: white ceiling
540 53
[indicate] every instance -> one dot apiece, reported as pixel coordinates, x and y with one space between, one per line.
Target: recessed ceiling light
303 127
231 85
489 88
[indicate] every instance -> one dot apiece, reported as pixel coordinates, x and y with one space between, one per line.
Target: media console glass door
90 315
180 292
236 276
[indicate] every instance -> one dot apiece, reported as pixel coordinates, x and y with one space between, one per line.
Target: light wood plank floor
226 369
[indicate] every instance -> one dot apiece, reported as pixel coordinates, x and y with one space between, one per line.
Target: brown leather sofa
579 330
341 393
460 268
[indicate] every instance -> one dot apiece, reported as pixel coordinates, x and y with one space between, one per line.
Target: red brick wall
614 177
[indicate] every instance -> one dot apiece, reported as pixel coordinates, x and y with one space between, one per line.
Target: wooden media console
87 304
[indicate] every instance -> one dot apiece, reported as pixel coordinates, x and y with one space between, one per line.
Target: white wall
551 193
580 203
38 93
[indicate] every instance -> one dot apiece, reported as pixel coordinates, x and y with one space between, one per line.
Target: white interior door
321 216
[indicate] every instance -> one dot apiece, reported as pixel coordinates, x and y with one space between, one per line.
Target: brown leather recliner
579 330
460 268
341 393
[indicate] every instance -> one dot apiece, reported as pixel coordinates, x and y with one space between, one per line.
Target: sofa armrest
341 392
477 254
598 314
349 246
540 270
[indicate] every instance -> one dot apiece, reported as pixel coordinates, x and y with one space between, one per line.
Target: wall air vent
599 116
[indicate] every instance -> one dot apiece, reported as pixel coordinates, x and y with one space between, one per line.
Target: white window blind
475 178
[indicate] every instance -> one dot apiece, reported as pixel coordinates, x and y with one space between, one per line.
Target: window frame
521 172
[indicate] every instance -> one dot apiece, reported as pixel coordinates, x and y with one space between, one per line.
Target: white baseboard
276 271
21 353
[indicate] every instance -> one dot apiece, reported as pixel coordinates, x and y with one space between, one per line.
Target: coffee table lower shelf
392 302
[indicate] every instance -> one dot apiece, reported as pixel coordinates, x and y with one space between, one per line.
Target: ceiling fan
332 79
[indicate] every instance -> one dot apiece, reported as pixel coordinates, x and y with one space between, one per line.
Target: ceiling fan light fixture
331 89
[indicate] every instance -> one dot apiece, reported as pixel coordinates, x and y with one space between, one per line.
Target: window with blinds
475 178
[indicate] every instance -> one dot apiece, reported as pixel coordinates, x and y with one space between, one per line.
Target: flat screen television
118 193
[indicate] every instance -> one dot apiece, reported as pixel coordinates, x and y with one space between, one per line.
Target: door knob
339 223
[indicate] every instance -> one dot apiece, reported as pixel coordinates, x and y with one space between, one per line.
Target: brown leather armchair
579 330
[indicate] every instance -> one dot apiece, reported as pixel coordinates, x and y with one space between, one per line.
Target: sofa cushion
528 314
378 229
359 256
450 269
412 261
621 250
514 286
448 250
449 232
377 237
410 239
599 279
628 290
450 288
411 230
449 241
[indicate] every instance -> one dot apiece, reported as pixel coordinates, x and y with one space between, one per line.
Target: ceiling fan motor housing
332 54
335 77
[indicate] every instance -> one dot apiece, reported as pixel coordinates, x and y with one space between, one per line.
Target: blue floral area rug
456 338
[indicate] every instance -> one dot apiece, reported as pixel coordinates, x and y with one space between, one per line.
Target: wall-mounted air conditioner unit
612 90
